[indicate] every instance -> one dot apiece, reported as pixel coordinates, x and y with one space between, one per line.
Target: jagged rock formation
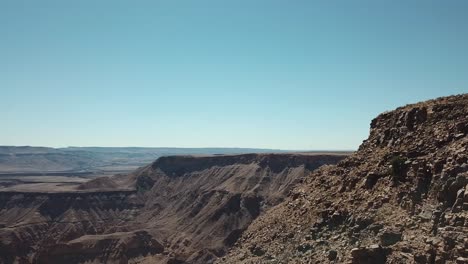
401 198
178 209
33 225
224 194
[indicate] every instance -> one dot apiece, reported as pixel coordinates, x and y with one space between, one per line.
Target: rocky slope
401 198
178 209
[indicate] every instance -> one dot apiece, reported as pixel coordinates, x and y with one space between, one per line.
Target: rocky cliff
175 210
401 198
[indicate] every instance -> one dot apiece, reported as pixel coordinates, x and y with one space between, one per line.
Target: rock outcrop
119 247
401 198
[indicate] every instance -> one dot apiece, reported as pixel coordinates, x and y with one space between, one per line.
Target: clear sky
241 73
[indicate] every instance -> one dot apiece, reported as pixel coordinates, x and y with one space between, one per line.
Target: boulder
332 254
303 248
373 254
390 237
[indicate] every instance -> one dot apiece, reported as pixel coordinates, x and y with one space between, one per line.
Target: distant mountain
95 159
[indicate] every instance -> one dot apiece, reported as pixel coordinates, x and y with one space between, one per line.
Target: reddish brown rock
403 191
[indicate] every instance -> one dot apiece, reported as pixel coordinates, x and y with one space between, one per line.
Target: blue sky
268 74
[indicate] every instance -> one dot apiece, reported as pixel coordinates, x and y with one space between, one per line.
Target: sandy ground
40 183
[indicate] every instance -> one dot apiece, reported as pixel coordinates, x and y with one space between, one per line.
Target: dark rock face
114 248
178 210
390 237
332 254
181 165
38 222
401 198
373 254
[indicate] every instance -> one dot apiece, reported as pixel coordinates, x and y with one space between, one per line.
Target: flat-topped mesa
223 171
180 165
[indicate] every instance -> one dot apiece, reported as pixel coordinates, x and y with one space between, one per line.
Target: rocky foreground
401 198
178 209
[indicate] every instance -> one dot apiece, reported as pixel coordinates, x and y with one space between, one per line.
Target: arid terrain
40 160
177 209
234 132
401 198
64 169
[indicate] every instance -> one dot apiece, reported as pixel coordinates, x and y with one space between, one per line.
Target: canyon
177 209
402 197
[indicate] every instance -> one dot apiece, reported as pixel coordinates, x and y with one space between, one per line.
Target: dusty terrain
401 198
64 169
178 209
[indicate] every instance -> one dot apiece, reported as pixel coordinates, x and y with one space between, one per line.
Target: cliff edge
401 198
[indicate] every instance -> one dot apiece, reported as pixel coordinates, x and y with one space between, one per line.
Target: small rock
257 251
332 254
375 228
371 179
420 259
303 248
390 237
373 254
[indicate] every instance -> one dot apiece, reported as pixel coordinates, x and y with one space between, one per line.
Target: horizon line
252 148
